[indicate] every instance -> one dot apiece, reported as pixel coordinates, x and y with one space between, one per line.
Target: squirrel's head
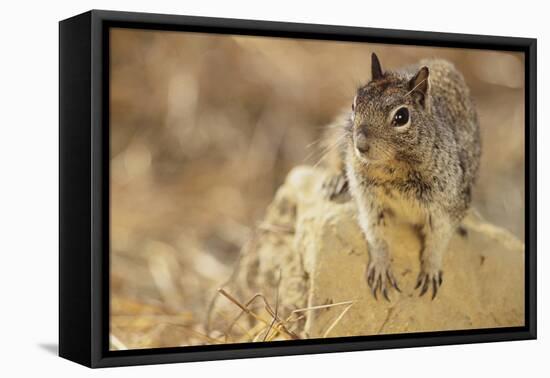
390 116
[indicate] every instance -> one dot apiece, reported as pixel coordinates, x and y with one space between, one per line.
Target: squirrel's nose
362 142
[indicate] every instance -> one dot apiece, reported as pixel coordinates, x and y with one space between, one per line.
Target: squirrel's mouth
366 155
371 153
363 148
369 149
361 142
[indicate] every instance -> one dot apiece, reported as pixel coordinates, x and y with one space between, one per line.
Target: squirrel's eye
401 117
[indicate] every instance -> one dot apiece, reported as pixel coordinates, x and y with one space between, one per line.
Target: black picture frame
84 187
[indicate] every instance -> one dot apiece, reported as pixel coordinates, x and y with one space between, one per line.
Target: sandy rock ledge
312 252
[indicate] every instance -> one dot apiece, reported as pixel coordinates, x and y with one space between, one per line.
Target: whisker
311 153
330 148
416 86
314 151
317 141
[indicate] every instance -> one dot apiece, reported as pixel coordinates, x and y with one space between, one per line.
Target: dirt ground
204 129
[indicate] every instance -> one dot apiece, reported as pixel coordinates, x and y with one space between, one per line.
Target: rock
310 252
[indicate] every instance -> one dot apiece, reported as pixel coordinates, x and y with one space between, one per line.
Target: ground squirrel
409 151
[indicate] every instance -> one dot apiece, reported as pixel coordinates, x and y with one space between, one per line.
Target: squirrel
408 152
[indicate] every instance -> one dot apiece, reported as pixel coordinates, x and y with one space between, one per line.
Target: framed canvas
234 188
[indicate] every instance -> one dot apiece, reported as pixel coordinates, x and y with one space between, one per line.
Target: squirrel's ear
376 68
420 85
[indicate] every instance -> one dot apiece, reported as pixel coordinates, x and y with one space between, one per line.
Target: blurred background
204 129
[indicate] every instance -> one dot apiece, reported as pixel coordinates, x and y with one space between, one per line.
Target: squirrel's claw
393 281
425 280
385 293
380 279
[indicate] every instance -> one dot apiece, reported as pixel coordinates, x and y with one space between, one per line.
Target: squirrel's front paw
380 277
334 186
429 276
